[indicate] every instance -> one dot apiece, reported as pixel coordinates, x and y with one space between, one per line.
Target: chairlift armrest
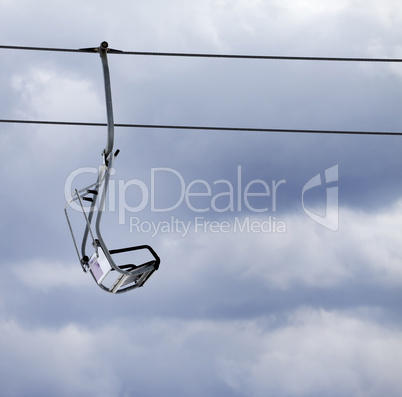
136 248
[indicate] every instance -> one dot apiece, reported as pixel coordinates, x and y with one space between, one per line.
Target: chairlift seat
116 278
109 273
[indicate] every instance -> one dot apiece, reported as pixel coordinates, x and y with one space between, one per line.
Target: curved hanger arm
108 156
103 48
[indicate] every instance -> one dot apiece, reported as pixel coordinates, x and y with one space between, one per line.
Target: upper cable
206 55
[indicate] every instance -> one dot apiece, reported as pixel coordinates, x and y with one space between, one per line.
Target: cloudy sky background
307 312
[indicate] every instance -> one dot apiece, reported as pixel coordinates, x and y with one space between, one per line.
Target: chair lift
108 274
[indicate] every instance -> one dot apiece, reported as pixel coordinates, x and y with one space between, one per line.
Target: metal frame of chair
110 276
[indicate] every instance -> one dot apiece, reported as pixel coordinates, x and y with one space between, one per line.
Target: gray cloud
306 312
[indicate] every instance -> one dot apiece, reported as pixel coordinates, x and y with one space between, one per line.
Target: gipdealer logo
200 196
331 218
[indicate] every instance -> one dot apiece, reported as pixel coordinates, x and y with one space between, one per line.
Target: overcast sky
296 292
